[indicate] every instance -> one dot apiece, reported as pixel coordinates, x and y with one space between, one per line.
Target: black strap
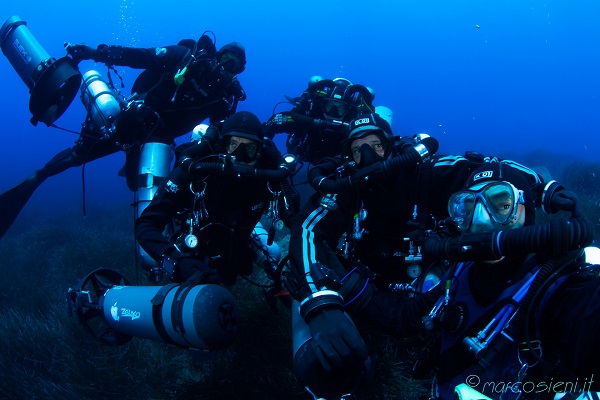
179 300
159 297
157 302
148 180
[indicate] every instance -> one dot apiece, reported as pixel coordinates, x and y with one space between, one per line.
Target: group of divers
386 231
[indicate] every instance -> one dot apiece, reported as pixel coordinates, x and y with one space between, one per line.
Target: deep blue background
501 77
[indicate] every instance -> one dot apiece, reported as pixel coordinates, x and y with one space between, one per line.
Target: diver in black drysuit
182 85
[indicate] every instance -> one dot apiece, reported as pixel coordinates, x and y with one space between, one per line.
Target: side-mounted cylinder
154 165
100 102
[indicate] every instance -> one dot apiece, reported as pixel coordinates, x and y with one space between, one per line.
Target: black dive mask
368 156
246 152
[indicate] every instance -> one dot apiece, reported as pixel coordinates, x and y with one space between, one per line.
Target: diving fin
13 200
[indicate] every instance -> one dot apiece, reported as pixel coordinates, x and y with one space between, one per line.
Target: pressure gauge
191 241
413 270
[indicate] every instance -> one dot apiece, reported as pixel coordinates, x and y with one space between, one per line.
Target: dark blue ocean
503 78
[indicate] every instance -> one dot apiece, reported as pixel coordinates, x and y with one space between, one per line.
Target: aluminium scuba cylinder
260 237
154 165
204 317
198 132
100 102
386 113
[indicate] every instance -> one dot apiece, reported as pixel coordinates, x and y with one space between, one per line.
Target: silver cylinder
155 165
206 319
100 102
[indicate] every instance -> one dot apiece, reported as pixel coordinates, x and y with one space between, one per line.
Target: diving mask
499 199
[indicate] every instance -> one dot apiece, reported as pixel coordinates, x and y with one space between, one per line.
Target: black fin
13 200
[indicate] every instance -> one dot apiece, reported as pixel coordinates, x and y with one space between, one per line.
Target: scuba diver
519 313
356 249
218 191
200 229
318 121
181 86
329 278
221 188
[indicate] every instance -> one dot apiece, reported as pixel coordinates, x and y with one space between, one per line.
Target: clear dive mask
246 152
231 63
500 200
334 108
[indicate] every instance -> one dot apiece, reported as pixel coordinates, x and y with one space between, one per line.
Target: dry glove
335 340
80 52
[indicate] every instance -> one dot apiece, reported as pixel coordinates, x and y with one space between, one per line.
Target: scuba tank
154 166
386 113
100 102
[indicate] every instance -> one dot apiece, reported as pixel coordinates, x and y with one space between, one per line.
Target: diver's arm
312 243
399 315
157 57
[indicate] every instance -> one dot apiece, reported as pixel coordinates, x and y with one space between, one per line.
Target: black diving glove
335 340
417 232
79 52
234 87
368 176
565 200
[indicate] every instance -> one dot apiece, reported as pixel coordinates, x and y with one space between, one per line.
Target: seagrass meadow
46 354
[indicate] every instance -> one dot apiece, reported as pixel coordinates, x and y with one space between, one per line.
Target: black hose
271 155
552 238
516 330
203 147
332 184
241 170
410 157
191 154
302 120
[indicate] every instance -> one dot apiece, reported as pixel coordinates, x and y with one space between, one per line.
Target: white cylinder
261 236
385 113
207 317
155 165
100 102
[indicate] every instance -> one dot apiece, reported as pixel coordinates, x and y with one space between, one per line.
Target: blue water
500 77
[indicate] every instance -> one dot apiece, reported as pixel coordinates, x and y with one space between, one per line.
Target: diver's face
482 221
232 64
488 206
373 140
245 150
